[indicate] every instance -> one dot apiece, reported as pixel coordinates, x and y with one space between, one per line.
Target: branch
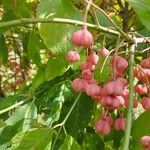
112 22
11 107
23 21
131 99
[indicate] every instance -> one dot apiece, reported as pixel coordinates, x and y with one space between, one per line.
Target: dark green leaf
80 116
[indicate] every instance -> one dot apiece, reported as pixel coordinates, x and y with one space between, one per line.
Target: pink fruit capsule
87 65
87 74
141 89
120 124
103 52
73 56
79 85
82 38
145 63
93 89
93 59
146 103
102 126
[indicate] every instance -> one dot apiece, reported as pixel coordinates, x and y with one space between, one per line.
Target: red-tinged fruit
79 85
103 52
82 38
73 56
145 142
102 126
141 89
87 74
87 65
120 124
145 63
93 89
146 103
93 59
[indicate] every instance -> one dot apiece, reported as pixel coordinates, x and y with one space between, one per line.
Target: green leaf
32 140
69 144
56 36
21 113
142 9
141 127
80 116
38 79
30 114
52 100
56 67
102 75
34 48
19 8
3 50
92 142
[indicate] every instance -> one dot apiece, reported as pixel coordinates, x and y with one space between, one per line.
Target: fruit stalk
131 99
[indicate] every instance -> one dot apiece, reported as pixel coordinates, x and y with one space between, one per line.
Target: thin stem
131 99
86 13
64 121
23 21
67 116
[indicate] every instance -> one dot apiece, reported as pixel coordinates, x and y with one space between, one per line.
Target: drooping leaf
35 139
141 127
142 9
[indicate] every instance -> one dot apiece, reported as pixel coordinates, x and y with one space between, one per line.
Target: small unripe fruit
79 85
82 38
141 89
145 141
103 52
73 56
146 103
120 124
87 74
93 59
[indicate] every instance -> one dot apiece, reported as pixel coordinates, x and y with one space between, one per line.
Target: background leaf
143 10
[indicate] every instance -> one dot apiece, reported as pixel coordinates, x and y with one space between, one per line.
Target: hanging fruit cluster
113 95
142 73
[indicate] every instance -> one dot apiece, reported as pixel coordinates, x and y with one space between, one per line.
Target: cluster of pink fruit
143 74
113 95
